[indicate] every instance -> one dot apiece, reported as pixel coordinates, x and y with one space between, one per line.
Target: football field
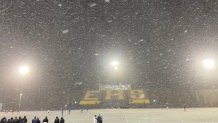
192 115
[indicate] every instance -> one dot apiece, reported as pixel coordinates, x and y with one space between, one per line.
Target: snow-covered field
193 115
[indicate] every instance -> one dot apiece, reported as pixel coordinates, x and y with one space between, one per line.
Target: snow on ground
203 115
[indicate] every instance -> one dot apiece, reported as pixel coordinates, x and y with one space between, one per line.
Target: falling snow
59 5
107 1
92 4
65 31
69 44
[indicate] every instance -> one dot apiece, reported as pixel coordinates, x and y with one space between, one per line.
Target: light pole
114 64
21 94
207 67
23 70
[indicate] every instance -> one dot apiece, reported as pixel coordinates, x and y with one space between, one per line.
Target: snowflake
65 31
59 4
92 4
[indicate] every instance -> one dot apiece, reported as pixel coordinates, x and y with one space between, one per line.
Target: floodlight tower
207 66
23 71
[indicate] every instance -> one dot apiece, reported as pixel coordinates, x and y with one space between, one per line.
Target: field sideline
192 115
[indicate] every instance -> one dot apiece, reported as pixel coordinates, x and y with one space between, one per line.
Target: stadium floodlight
114 63
154 101
24 70
208 63
21 94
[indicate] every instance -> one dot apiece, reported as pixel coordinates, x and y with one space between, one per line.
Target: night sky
157 42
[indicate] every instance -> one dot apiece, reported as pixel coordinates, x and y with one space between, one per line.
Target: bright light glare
208 63
24 70
114 63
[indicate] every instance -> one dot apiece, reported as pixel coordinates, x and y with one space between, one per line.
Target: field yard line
125 118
